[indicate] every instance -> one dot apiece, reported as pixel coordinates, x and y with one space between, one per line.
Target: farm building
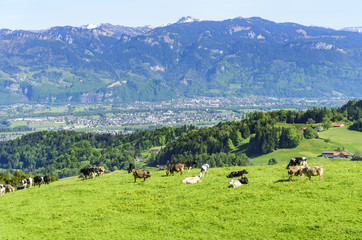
329 154
338 125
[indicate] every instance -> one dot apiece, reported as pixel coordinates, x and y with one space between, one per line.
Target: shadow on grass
282 180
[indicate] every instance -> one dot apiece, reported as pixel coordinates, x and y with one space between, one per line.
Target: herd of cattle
26 183
296 167
299 166
179 167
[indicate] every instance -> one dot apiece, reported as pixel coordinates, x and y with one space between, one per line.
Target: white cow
204 169
234 183
2 190
313 171
191 180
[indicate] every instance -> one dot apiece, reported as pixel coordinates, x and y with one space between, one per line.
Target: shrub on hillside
309 133
272 161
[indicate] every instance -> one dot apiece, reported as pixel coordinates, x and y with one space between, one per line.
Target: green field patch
311 148
349 139
215 91
234 86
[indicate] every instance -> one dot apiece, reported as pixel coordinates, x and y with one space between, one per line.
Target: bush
272 161
357 156
309 133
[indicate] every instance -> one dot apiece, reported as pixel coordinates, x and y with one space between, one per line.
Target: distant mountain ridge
353 29
235 57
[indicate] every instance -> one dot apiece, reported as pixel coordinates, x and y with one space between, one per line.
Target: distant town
128 118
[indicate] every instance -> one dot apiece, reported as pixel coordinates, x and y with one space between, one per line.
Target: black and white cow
244 180
2 189
38 180
298 161
131 167
204 169
91 172
237 174
46 179
27 182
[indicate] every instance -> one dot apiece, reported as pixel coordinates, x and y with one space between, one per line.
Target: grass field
351 140
311 149
269 207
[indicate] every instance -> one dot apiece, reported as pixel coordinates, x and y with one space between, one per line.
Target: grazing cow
298 161
295 171
46 179
177 167
88 172
313 171
38 180
191 180
234 183
9 188
141 174
2 189
100 171
189 164
26 182
204 169
131 167
21 187
237 174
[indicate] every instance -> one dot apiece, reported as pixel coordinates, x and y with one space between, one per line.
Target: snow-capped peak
353 29
188 19
90 26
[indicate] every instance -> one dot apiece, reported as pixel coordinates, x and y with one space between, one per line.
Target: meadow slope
114 207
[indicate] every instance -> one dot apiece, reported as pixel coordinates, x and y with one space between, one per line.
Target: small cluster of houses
329 154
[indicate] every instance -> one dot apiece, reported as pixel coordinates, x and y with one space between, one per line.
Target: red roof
338 124
336 154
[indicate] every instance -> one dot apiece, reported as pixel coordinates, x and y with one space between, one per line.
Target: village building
330 154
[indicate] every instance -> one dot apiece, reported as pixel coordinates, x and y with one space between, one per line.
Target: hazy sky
41 14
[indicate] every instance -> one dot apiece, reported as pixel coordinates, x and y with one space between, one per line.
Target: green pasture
310 148
114 207
349 139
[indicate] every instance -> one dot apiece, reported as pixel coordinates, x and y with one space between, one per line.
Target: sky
42 14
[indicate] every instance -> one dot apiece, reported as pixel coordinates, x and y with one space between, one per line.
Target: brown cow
9 188
295 171
313 171
141 174
177 167
100 171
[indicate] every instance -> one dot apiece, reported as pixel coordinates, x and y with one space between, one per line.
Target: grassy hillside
269 207
351 140
310 148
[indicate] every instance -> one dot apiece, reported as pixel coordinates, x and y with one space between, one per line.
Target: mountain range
189 58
